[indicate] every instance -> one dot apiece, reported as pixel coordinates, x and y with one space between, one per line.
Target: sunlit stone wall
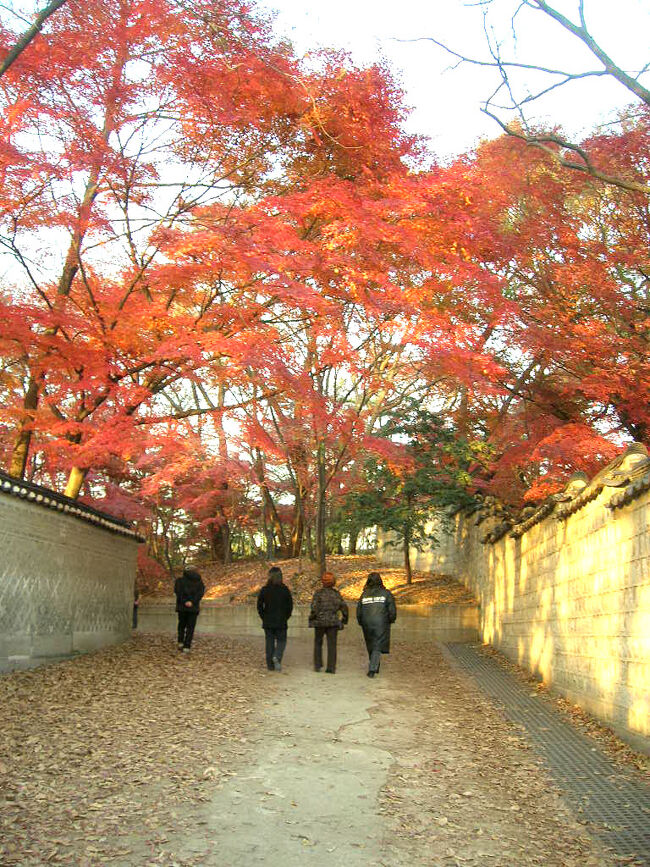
566 592
66 579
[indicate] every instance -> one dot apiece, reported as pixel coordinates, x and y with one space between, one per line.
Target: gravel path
137 755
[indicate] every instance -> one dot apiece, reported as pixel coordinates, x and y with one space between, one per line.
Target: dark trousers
331 633
134 622
373 646
276 641
186 624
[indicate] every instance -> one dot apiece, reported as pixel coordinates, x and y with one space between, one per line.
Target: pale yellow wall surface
568 600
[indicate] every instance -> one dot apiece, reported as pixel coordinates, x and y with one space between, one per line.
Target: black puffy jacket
188 589
376 611
274 605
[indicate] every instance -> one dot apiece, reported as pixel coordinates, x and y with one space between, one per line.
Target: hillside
239 582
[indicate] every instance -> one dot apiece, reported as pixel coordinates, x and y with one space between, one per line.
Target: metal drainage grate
617 807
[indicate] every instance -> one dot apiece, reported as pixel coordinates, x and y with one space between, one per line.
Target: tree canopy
230 272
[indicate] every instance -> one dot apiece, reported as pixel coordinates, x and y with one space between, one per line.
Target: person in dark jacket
328 614
274 606
136 604
376 611
189 590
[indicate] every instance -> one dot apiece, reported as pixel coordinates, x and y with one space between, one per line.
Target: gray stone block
83 642
65 584
18 644
58 644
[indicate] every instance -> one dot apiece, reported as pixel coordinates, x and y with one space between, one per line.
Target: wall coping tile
48 499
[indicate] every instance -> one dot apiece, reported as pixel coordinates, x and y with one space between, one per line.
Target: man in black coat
376 611
189 590
274 606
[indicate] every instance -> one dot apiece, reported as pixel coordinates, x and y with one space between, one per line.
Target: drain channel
617 808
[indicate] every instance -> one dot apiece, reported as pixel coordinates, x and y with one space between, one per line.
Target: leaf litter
240 582
465 789
106 757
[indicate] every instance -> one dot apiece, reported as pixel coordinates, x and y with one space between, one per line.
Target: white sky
447 102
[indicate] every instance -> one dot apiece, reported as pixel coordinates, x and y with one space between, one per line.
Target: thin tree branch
29 35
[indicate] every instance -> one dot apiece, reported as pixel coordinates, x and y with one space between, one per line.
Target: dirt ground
139 755
239 582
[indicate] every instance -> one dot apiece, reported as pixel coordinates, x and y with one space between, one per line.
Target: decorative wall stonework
564 589
66 582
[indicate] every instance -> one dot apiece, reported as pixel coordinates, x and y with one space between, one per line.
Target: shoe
180 645
329 671
371 673
317 669
276 664
186 650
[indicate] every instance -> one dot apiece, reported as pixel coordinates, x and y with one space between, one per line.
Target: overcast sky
447 102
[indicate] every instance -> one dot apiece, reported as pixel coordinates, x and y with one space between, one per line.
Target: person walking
136 604
274 606
376 611
328 615
189 590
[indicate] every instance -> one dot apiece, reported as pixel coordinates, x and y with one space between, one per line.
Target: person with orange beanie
328 614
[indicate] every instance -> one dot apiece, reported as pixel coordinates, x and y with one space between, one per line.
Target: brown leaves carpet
103 757
240 582
114 757
465 789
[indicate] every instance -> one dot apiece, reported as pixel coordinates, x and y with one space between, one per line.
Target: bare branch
543 142
567 154
510 64
583 34
29 34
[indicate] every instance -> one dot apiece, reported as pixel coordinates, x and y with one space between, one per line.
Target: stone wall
440 622
66 575
564 590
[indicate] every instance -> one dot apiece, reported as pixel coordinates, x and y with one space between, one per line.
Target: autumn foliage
226 267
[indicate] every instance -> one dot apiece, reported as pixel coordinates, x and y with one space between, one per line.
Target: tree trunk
214 545
354 538
321 513
298 529
227 542
167 550
407 555
270 541
297 537
21 445
75 481
220 543
310 545
271 512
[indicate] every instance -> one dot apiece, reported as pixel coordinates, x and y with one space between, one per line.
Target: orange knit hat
328 579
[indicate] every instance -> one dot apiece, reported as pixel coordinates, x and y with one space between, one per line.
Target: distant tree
427 472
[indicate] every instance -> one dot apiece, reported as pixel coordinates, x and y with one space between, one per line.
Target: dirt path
406 769
309 794
137 756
